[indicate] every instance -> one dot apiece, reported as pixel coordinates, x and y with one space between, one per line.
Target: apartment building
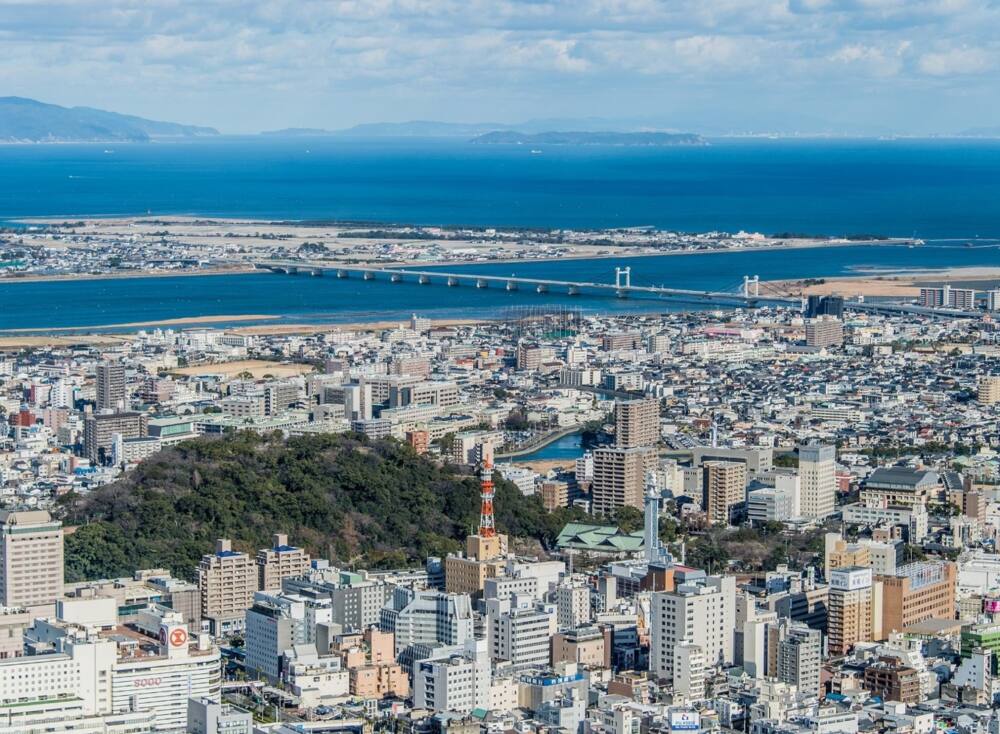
110 386
724 486
619 477
227 580
280 561
637 423
99 432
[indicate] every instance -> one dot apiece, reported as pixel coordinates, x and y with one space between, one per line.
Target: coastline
30 338
248 269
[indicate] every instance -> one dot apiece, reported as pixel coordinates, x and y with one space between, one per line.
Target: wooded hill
343 497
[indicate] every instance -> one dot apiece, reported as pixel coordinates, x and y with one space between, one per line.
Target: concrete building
899 486
110 386
520 631
799 656
988 390
99 432
280 561
619 477
701 611
455 681
688 676
31 560
917 592
227 580
210 716
572 604
13 622
850 612
824 331
724 491
892 681
587 646
637 423
818 481
770 504
427 618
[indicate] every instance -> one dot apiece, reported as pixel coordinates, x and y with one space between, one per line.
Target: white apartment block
700 611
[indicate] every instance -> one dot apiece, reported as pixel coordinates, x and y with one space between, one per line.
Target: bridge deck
697 295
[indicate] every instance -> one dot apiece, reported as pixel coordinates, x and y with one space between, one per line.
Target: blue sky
908 66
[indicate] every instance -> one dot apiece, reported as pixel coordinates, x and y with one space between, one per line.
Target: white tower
655 551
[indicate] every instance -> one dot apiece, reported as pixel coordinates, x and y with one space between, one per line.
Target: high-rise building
917 592
227 580
688 673
454 681
31 559
619 477
110 386
824 331
99 432
948 297
993 300
572 604
817 480
723 490
427 618
277 622
520 631
637 422
849 614
825 306
988 390
280 561
700 610
799 656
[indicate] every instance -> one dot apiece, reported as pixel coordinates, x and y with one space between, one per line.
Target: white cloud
118 53
958 61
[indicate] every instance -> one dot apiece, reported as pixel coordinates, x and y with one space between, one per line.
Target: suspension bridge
750 291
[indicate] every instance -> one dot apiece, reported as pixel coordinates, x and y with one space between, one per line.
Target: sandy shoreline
900 284
141 324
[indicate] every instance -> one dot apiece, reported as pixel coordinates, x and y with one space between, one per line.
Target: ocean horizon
925 188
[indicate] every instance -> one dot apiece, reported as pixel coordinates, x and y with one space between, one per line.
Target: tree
628 518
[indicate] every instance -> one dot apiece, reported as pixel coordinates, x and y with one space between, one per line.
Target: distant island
510 137
25 120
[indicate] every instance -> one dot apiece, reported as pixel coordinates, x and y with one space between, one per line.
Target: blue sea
946 192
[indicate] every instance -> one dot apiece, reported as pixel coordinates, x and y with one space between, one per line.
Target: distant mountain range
506 137
436 129
29 121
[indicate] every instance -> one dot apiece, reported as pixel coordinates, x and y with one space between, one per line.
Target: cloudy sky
910 66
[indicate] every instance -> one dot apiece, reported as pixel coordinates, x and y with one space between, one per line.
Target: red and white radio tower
487 527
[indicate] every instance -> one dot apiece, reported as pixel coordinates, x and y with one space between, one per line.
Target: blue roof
285 548
227 554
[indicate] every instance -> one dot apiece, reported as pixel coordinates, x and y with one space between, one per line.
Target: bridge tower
627 273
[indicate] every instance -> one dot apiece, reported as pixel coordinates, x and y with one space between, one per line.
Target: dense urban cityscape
769 521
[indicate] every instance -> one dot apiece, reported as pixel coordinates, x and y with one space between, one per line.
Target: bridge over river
750 293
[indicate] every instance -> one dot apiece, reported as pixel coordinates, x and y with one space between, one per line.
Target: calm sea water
931 188
946 192
89 303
